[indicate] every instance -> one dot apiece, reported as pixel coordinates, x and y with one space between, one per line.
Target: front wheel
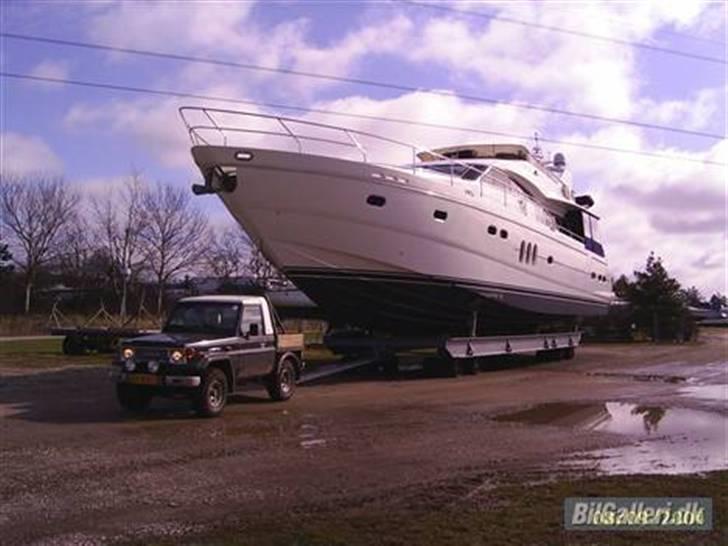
213 393
133 398
282 382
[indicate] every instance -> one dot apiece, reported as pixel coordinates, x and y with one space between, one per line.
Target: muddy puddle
667 440
709 383
718 393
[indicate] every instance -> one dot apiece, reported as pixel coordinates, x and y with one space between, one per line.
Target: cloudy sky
661 66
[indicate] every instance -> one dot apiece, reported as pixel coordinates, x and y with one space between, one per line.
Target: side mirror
253 330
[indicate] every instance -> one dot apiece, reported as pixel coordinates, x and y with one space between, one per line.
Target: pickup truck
209 347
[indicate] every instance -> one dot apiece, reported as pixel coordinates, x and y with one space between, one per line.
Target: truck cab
209 347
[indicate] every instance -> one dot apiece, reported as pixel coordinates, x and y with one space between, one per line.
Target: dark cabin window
503 234
492 230
522 252
440 215
376 200
550 259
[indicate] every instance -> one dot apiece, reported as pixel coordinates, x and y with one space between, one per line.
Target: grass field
47 353
513 514
43 353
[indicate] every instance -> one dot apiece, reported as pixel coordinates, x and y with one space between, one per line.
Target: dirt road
75 470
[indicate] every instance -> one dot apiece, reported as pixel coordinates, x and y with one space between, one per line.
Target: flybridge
479 151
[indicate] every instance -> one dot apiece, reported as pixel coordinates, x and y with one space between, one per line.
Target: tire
470 366
281 384
133 398
568 353
430 367
390 367
450 367
213 393
73 345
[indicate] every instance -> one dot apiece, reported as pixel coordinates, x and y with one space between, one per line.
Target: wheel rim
215 393
286 379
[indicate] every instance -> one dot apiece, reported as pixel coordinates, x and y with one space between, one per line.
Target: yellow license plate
143 379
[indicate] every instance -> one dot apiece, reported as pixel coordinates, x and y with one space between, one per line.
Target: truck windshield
204 317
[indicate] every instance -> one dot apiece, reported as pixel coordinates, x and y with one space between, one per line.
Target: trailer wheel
73 345
133 398
450 367
281 384
390 367
568 353
470 366
212 396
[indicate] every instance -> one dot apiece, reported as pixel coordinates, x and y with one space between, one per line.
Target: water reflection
651 416
670 440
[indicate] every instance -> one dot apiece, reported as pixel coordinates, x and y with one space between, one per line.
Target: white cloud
675 208
693 113
51 68
385 37
532 64
174 25
23 154
671 207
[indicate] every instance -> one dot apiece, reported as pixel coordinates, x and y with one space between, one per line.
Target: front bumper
184 381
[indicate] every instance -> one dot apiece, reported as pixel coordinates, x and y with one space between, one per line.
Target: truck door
260 347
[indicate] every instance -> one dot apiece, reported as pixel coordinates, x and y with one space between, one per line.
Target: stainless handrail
194 132
272 133
358 145
212 120
288 130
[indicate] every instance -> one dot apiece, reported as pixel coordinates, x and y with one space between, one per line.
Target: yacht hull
380 249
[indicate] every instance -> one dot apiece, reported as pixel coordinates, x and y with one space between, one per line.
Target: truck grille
145 354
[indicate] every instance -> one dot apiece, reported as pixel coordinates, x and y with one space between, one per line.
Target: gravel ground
75 470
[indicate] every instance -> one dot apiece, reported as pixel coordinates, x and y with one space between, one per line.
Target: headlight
127 353
176 356
129 365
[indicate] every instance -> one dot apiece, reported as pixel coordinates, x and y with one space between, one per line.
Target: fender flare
297 362
224 364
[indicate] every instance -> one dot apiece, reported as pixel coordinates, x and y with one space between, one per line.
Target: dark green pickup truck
208 349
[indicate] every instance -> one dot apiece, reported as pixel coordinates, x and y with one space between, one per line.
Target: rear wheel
73 345
133 398
450 367
390 367
470 366
281 384
213 393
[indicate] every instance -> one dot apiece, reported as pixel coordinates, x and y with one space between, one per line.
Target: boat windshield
466 172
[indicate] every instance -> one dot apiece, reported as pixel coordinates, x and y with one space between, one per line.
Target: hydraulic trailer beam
473 347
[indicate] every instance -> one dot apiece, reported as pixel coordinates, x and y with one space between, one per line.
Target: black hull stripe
422 279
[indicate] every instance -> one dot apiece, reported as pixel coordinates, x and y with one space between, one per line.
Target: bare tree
76 249
263 271
228 253
175 234
35 210
120 219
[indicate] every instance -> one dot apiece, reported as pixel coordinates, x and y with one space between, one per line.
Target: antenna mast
536 151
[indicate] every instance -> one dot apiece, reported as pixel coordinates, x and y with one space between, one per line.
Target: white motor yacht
389 237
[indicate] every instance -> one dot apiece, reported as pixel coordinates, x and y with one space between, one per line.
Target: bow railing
217 126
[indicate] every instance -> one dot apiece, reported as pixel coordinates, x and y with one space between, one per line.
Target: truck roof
228 299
